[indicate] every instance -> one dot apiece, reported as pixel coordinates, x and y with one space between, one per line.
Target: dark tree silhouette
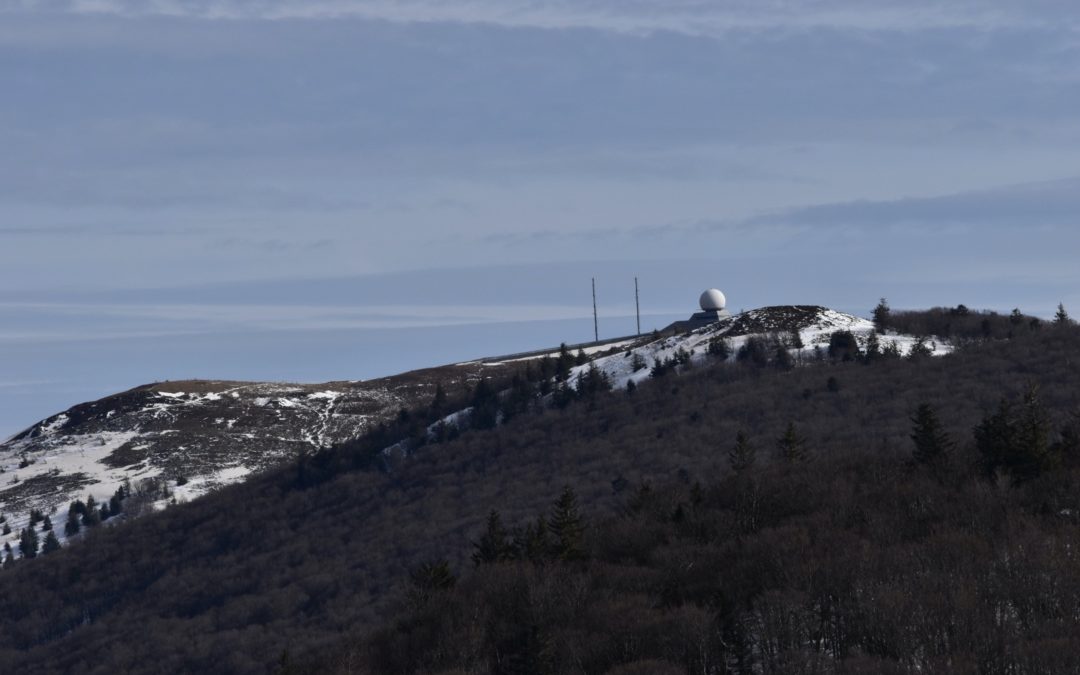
742 455
882 313
567 527
932 443
494 545
791 446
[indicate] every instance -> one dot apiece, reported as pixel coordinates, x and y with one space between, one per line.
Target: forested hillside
819 540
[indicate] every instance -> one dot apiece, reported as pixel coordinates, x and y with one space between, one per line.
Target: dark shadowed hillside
751 572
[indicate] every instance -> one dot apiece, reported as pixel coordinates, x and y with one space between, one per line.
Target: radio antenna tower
637 306
595 321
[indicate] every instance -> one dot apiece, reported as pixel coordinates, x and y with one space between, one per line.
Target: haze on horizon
344 188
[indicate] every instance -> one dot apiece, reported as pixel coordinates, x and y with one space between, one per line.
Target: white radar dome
712 300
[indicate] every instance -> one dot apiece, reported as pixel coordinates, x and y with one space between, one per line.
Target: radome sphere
713 300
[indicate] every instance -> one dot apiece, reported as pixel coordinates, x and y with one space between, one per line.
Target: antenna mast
595 321
637 306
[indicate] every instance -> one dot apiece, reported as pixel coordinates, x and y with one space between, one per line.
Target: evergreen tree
920 349
1016 317
891 350
91 517
791 445
536 542
720 347
783 358
73 525
493 545
563 363
931 441
873 348
28 543
1017 442
485 406
567 528
7 528
51 543
427 580
9 561
742 455
796 341
438 403
1034 453
46 525
995 436
882 314
755 350
1061 317
843 346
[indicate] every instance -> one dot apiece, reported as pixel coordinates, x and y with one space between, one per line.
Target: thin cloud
626 16
1052 204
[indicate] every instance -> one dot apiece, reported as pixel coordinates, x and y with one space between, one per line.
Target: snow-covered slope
190 437
814 325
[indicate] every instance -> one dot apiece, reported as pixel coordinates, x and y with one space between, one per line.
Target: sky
342 189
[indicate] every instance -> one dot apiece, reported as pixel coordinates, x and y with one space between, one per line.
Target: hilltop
175 441
299 555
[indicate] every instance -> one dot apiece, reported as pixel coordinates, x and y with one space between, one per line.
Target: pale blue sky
277 172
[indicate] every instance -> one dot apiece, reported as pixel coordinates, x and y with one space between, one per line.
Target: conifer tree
51 543
783 359
73 525
46 525
28 543
791 445
1017 441
720 347
932 443
493 546
536 544
796 341
1061 317
438 403
742 455
7 528
1034 453
92 517
882 314
891 350
564 363
995 437
567 527
9 561
485 404
920 349
429 579
873 348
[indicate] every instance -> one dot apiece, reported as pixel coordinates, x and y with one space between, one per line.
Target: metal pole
637 306
595 321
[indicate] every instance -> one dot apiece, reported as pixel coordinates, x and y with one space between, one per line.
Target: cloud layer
692 17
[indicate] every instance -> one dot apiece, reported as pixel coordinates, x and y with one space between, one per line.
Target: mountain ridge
182 439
